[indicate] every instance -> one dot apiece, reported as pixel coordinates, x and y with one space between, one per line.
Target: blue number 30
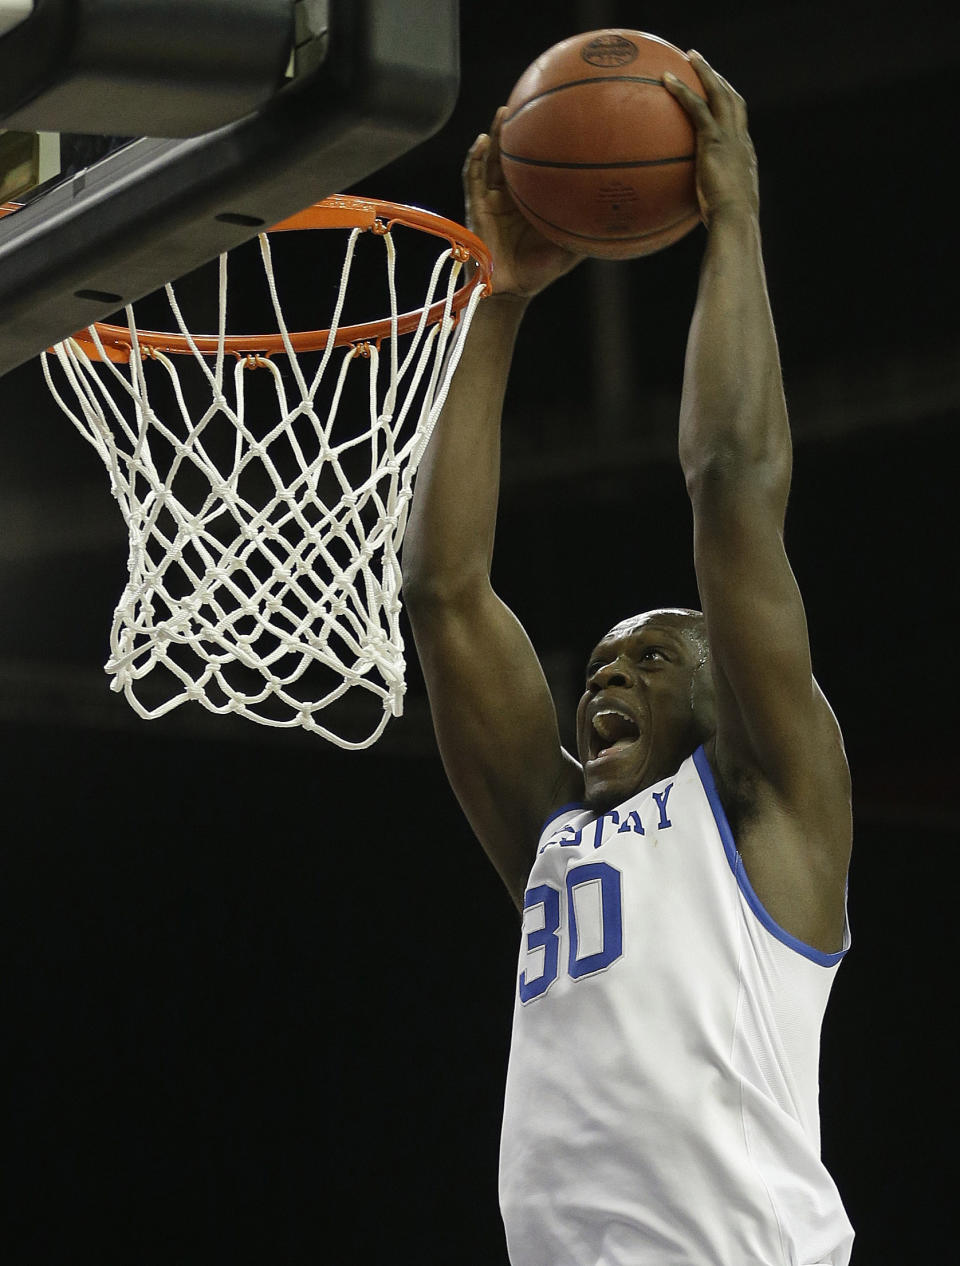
607 926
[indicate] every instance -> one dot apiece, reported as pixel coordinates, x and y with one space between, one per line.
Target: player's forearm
733 415
449 539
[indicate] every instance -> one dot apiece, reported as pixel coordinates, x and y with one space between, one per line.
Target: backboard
96 219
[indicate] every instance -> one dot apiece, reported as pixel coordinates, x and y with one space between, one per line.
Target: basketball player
683 883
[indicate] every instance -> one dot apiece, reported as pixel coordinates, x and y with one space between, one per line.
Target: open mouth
611 732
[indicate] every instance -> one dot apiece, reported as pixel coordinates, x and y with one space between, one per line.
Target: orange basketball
596 152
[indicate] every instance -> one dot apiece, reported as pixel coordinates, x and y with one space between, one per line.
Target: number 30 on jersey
593 928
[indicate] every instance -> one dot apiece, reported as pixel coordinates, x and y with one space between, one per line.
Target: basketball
596 152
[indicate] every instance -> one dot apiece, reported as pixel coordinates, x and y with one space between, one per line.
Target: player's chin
609 780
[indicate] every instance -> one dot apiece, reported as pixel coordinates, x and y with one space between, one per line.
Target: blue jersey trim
564 808
736 865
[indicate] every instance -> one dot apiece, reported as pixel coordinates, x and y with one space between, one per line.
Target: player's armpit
495 723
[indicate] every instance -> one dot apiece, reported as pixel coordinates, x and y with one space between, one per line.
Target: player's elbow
425 593
734 470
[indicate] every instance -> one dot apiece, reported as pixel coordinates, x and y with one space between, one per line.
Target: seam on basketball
579 83
628 162
593 237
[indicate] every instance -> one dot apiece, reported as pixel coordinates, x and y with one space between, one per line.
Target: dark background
258 991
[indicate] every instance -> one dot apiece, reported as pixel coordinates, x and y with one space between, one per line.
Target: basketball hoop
263 550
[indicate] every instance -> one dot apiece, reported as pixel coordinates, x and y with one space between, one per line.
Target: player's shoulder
565 818
568 797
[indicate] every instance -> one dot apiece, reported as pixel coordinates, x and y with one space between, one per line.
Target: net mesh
264 577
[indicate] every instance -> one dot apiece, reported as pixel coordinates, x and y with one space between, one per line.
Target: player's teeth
612 726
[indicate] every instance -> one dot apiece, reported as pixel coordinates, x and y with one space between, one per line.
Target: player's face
646 706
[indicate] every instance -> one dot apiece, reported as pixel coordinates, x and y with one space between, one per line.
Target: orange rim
338 212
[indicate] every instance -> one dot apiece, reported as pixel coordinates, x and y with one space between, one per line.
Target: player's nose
615 673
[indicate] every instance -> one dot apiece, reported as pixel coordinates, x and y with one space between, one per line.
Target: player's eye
653 652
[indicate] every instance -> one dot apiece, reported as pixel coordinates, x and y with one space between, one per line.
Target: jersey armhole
735 861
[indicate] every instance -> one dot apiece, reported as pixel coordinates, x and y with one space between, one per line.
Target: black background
258 990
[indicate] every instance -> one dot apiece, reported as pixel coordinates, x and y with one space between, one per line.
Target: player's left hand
726 161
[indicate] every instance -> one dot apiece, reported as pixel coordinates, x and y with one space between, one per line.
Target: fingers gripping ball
596 152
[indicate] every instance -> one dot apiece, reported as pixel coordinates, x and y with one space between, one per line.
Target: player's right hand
524 261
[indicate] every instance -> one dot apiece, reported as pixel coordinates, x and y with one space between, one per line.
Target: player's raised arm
492 710
774 727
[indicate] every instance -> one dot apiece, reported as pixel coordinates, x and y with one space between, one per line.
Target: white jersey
662 1098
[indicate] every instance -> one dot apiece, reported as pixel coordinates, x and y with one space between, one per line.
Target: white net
263 537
